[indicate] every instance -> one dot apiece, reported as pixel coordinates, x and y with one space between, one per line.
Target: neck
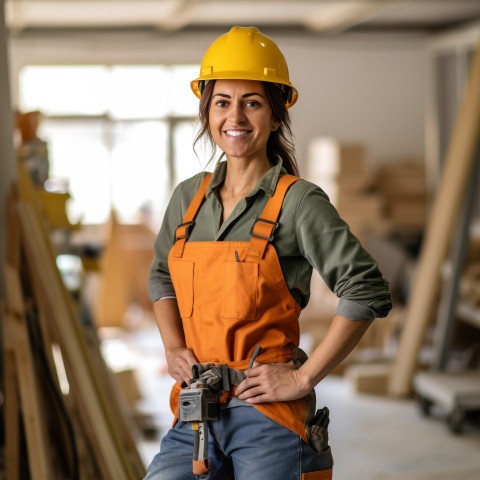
242 176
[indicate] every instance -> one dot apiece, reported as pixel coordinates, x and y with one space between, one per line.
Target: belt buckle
188 230
259 219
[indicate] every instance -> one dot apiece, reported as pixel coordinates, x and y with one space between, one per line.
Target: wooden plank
111 440
12 411
52 297
13 235
19 345
33 419
446 319
116 448
113 299
426 285
119 409
88 469
12 400
13 291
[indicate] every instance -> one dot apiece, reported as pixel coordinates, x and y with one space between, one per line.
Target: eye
221 103
252 103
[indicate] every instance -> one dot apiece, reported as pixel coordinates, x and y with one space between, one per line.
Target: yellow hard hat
245 54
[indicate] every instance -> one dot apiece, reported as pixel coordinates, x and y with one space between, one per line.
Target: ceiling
320 16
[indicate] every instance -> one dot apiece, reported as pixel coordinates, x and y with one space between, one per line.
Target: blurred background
97 126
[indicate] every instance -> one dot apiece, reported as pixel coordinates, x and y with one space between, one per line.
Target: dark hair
280 141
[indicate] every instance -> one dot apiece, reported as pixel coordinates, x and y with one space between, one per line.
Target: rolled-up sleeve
326 241
159 281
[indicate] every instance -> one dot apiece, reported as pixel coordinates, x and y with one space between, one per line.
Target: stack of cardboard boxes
341 169
403 187
376 203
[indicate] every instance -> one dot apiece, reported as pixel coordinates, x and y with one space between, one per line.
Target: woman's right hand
180 362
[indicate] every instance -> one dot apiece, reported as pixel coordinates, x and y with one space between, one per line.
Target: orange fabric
229 306
320 475
182 230
200 466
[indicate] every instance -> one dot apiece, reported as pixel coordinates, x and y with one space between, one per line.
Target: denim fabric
243 442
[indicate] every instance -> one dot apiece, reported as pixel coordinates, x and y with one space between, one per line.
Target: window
118 136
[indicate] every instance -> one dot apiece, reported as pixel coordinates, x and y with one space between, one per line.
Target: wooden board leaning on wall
102 442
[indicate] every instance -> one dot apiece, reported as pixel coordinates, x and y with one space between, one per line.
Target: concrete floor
372 438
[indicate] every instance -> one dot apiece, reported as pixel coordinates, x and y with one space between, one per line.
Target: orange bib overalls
232 296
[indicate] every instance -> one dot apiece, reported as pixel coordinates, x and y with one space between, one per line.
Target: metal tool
255 353
199 403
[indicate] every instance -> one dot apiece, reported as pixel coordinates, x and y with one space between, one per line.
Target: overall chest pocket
182 277
240 290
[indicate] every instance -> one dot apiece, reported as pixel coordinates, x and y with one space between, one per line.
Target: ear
275 125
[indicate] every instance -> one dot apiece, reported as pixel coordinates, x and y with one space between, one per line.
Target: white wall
358 88
370 91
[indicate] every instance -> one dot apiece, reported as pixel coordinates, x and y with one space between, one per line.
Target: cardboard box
369 378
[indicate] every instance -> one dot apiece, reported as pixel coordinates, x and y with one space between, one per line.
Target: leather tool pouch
317 431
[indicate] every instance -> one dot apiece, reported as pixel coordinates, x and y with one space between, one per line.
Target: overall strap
184 229
264 226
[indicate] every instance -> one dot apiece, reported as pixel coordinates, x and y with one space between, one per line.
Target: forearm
169 323
180 359
342 336
282 382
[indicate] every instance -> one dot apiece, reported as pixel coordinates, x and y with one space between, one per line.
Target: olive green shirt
310 235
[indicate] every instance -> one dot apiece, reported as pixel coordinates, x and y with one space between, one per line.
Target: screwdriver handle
255 353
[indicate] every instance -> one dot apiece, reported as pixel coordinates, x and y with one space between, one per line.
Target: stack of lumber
403 188
456 177
59 396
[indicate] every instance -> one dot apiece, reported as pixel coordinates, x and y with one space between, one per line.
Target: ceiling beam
343 16
181 15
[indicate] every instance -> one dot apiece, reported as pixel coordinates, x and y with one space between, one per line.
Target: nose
236 113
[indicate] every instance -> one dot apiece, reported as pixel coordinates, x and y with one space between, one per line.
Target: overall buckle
259 219
188 230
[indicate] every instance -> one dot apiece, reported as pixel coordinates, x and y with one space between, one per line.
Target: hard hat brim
237 76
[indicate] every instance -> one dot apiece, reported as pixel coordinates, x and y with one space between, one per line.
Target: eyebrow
245 95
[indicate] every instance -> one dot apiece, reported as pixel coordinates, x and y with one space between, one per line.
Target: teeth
236 133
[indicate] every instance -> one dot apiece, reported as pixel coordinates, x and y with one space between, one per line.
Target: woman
232 268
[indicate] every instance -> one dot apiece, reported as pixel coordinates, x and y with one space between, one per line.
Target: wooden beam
19 346
52 297
113 447
12 410
336 17
438 236
109 437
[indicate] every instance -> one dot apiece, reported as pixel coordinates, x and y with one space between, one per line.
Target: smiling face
240 119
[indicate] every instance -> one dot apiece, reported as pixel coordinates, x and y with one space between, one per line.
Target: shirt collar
268 183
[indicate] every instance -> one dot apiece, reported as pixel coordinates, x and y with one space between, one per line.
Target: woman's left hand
272 382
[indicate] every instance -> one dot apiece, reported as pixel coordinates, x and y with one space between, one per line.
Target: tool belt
212 385
200 402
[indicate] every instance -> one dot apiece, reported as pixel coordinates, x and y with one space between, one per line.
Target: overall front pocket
240 290
181 273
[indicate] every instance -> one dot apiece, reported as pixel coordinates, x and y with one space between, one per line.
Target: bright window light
71 90
189 163
183 101
139 92
119 137
139 173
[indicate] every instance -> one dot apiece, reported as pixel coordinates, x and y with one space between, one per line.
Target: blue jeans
244 442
